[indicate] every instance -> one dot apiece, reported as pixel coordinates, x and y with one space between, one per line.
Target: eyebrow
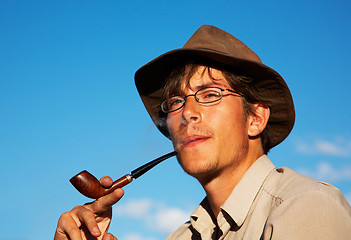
206 85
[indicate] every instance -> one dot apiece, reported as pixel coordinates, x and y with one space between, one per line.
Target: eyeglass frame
197 100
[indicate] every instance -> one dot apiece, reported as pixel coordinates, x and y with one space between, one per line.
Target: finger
105 203
67 228
106 181
88 220
109 236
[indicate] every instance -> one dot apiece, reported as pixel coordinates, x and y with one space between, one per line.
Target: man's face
210 140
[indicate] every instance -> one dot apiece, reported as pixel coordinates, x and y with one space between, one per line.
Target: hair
243 84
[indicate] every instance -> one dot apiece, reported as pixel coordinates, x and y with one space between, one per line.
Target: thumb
106 182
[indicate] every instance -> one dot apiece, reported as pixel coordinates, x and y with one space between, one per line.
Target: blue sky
68 102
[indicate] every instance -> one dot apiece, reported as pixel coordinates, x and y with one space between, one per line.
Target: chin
196 163
190 156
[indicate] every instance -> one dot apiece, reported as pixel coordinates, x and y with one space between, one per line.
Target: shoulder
305 207
288 185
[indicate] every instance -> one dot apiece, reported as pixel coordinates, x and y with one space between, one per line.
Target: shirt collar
240 200
202 217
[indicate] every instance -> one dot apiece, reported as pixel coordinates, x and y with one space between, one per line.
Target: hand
90 221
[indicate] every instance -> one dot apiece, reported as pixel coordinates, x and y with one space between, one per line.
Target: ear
257 122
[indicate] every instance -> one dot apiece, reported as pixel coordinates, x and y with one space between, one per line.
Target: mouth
194 140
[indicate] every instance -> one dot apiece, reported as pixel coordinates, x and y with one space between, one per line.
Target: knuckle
65 216
78 210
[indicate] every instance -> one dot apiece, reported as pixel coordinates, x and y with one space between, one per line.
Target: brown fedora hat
215 45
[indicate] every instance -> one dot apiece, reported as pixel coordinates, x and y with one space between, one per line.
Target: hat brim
150 79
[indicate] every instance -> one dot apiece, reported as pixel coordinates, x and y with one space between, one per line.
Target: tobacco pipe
90 187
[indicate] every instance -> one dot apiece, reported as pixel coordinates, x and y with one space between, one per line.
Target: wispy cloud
135 236
135 208
152 214
339 146
326 172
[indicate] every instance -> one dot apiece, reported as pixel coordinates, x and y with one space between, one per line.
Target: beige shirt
271 203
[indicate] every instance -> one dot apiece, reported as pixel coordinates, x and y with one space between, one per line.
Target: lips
192 141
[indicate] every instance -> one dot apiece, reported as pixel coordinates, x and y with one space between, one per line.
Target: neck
220 187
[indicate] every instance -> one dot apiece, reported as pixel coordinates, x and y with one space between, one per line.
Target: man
224 110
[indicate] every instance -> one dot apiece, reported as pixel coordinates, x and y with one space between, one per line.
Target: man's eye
210 95
173 103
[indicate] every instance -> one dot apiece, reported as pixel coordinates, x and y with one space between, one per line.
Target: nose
191 111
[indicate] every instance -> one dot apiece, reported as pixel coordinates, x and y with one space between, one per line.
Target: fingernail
96 230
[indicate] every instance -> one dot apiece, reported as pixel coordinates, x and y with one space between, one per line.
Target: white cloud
155 215
134 236
135 208
326 172
168 219
339 147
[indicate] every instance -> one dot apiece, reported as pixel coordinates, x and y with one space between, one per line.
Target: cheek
173 126
172 123
232 126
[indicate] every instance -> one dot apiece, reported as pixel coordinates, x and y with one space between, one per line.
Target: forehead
203 77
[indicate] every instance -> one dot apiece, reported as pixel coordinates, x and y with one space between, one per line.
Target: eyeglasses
203 96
